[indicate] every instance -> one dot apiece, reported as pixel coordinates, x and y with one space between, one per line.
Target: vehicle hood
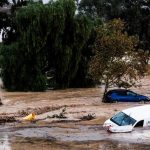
109 123
144 97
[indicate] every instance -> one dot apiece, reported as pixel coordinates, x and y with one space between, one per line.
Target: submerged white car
127 119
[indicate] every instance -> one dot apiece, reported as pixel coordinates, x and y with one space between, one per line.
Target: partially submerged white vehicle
127 119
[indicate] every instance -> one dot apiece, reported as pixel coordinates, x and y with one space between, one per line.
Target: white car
127 119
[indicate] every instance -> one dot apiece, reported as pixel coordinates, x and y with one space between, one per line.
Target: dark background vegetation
51 45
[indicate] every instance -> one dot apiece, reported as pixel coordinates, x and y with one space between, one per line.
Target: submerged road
81 137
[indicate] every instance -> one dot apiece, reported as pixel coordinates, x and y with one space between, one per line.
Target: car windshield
123 119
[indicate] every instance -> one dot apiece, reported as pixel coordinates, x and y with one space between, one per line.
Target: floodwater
91 137
82 135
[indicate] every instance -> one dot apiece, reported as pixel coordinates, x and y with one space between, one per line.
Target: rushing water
70 137
82 137
4 142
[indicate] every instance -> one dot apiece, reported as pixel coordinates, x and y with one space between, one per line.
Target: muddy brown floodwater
91 137
71 133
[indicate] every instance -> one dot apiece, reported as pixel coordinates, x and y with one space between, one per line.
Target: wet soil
69 133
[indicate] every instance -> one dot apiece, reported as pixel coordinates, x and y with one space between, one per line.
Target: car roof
118 90
139 112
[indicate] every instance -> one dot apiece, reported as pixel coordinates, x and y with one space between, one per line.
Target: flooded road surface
91 137
83 135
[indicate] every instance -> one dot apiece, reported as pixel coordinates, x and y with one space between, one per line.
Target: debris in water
88 117
4 119
30 117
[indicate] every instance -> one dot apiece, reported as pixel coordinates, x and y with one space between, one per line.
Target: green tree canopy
3 2
48 37
136 15
117 62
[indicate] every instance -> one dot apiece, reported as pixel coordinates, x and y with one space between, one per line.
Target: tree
3 16
65 41
116 62
106 9
135 13
83 78
94 9
26 73
3 2
48 37
7 24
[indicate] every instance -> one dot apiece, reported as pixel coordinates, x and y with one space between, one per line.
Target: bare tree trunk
105 91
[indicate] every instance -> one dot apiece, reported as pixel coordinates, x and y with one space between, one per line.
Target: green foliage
135 13
106 9
92 8
39 82
56 38
65 44
116 61
83 78
8 63
3 2
26 73
16 74
48 37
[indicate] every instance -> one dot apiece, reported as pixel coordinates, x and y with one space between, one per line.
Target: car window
140 123
122 119
127 121
122 93
131 93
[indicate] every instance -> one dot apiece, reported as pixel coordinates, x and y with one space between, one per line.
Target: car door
121 96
